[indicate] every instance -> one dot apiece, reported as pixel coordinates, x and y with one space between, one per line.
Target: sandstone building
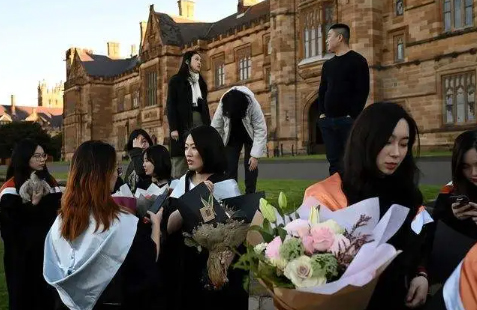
421 53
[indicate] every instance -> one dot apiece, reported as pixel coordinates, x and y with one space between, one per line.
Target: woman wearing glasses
29 202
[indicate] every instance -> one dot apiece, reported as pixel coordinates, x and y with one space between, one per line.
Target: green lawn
293 188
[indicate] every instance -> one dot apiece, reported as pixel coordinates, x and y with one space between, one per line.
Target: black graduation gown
136 284
184 274
24 228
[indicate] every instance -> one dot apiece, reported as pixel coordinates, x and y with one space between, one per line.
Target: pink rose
308 244
323 238
272 250
339 245
298 228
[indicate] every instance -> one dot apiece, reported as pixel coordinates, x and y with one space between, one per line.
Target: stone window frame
448 14
121 134
218 67
120 99
397 37
450 84
267 45
135 99
151 88
267 76
243 59
399 5
313 31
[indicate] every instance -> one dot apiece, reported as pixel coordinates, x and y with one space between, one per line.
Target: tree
56 143
13 132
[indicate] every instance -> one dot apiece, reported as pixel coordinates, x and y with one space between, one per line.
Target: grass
294 190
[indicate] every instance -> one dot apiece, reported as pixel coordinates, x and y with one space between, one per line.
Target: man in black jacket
342 95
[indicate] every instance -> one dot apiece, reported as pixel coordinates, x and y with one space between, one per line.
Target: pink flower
272 250
323 238
308 244
298 228
339 245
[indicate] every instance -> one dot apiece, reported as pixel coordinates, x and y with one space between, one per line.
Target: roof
103 66
54 116
175 33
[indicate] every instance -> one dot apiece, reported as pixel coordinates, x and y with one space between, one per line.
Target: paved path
435 171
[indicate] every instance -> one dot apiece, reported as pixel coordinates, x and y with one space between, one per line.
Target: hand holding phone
459 200
462 208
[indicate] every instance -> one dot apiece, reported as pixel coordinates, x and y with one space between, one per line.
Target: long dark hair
463 143
235 104
160 157
211 148
89 190
370 133
184 70
134 135
19 167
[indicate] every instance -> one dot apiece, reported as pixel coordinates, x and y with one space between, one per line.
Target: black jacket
179 110
135 175
24 228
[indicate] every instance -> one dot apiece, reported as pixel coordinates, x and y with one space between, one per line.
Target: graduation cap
199 206
245 206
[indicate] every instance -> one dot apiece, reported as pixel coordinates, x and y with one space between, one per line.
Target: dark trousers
335 133
233 156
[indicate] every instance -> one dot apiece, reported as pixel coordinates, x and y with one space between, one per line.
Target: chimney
12 102
186 8
143 27
133 50
243 5
113 50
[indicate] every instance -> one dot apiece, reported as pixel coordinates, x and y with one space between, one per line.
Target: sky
34 35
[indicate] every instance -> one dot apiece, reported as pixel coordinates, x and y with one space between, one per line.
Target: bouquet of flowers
315 258
220 228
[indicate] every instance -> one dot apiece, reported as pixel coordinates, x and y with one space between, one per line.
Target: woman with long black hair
186 107
29 202
379 162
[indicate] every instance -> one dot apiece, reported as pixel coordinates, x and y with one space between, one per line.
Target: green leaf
282 233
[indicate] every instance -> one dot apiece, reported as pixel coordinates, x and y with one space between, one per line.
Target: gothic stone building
421 53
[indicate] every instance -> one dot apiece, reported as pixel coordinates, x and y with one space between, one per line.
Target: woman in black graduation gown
139 140
157 165
97 255
25 222
183 267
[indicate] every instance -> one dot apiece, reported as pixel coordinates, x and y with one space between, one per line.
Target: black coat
179 110
24 228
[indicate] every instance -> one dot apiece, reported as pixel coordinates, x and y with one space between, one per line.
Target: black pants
335 132
233 156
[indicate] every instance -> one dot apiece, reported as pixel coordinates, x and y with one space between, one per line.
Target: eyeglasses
38 156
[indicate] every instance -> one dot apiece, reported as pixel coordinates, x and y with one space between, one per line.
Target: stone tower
50 97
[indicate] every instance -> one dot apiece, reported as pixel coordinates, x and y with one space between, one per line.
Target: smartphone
462 200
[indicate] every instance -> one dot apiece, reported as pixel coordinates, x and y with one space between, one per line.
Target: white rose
280 263
259 248
331 224
300 272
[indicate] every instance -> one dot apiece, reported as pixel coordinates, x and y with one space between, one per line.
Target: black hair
211 148
134 135
19 167
362 178
184 70
160 157
235 104
344 30
463 143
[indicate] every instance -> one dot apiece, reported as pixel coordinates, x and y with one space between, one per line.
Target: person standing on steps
342 95
186 107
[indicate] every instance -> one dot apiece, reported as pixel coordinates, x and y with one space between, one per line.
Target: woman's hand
417 294
462 212
175 135
36 197
137 143
252 163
